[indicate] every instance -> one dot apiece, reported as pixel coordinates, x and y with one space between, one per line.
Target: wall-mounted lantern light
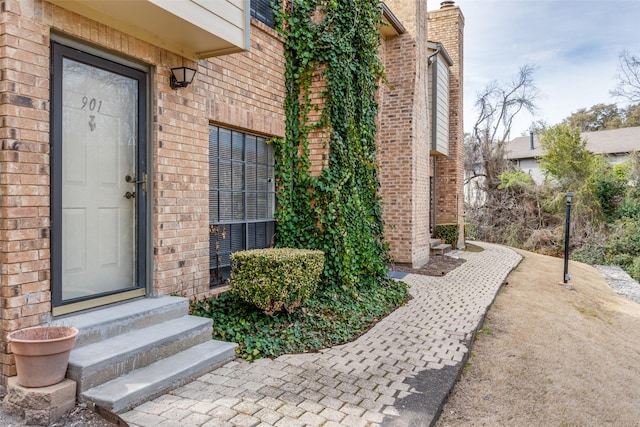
181 77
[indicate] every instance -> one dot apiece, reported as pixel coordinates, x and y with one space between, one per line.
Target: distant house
615 144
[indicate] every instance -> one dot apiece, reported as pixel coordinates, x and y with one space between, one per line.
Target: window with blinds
261 10
241 197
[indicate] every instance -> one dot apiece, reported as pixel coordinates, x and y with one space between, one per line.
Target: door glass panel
99 128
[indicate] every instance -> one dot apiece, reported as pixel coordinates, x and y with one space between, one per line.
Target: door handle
132 180
130 195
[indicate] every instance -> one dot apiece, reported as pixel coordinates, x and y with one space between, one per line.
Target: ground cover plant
327 318
332 106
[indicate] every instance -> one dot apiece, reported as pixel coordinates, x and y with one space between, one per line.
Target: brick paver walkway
355 384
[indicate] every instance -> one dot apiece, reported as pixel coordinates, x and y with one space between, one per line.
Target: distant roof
611 141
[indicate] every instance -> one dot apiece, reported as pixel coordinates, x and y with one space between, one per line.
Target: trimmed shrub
448 233
276 278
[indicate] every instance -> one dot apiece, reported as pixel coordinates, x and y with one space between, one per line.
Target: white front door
97 179
98 140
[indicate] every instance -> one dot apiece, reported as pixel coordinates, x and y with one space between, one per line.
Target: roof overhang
191 28
438 49
392 26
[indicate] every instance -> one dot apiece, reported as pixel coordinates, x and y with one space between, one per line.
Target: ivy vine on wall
338 211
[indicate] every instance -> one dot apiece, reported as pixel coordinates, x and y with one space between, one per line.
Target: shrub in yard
470 231
326 319
592 255
623 247
448 233
629 208
277 278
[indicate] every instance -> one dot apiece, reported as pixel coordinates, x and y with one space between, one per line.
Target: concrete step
97 363
123 393
131 352
441 249
434 242
104 323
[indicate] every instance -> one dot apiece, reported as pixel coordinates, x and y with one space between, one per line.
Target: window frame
261 10
233 223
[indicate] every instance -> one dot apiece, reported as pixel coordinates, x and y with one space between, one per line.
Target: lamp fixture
181 77
569 196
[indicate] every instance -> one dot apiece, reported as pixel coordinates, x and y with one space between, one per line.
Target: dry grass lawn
549 356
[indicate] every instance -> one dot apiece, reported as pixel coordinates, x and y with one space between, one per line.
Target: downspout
434 194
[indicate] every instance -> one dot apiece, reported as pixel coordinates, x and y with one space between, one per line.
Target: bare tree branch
629 76
497 107
489 206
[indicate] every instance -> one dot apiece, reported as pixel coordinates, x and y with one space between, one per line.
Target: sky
574 45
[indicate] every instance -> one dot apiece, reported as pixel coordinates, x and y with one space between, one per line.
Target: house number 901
92 104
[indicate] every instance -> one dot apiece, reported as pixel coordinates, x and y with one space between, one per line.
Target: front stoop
40 406
129 353
439 248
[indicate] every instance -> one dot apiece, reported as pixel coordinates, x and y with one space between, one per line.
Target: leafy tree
630 206
598 117
603 117
566 157
609 186
629 77
537 127
632 115
516 178
572 167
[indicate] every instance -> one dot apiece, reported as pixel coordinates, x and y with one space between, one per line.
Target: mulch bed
438 265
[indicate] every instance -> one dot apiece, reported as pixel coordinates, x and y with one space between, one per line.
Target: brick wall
24 173
446 26
403 137
244 91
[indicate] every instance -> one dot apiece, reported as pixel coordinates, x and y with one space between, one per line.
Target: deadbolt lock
130 195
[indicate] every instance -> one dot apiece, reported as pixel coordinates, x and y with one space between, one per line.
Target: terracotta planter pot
42 354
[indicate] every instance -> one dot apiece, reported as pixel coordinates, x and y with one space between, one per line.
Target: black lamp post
569 196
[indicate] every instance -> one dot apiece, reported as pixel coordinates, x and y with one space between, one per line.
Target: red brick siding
447 27
244 91
403 137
